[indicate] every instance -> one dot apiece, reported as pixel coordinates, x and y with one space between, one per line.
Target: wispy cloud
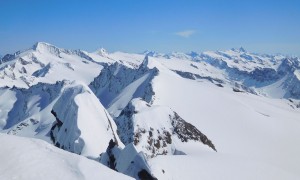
186 33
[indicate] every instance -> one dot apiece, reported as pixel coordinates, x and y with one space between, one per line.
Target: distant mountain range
212 115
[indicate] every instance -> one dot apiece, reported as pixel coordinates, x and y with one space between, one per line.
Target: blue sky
136 25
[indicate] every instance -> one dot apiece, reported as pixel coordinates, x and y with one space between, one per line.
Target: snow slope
26 158
216 166
241 125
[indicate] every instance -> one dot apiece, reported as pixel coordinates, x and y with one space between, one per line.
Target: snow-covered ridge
117 79
156 130
159 115
82 124
43 63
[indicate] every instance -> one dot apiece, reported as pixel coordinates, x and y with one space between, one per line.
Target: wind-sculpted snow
82 124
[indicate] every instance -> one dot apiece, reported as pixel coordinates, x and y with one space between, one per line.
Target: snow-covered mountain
228 114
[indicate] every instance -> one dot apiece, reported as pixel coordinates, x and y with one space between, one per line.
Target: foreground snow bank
24 158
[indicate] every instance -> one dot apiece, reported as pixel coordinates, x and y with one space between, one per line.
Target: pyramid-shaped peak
42 45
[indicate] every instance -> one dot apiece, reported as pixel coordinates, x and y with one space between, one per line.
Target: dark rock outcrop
186 131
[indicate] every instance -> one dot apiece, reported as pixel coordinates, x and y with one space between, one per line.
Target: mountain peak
102 52
41 45
47 48
240 50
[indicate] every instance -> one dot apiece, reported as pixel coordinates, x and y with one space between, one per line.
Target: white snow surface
26 158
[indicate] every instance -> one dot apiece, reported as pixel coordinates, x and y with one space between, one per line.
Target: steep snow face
26 112
117 85
8 98
77 120
82 124
156 130
25 158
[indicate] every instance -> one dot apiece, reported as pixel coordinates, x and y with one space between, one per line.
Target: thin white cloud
186 33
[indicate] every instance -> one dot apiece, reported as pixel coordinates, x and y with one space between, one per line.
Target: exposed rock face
264 74
192 76
155 135
127 161
112 160
57 125
145 175
9 57
186 131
